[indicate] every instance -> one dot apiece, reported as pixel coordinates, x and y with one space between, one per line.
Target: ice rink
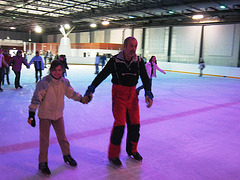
192 131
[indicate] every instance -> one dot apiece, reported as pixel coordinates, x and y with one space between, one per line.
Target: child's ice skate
69 160
44 168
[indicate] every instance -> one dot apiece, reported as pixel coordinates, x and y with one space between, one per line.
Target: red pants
125 109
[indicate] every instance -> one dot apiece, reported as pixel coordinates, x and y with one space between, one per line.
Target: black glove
149 94
90 90
31 119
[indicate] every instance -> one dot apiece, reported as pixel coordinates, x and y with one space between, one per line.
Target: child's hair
55 64
151 60
63 56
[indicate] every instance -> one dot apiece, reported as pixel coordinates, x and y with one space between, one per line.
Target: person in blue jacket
38 64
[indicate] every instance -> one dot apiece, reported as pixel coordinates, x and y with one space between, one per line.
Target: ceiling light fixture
38 29
222 7
198 16
20 5
67 26
93 25
105 23
12 28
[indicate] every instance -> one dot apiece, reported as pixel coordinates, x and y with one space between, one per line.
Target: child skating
48 97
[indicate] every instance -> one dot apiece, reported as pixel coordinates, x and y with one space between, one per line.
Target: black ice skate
136 156
44 168
69 160
115 161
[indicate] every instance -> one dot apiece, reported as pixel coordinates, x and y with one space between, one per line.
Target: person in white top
151 68
2 61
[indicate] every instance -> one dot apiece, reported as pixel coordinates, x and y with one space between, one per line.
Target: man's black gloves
90 90
31 119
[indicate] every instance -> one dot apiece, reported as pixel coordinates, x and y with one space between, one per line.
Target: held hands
88 94
31 119
86 99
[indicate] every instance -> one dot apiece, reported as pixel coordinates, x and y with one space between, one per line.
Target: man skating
125 67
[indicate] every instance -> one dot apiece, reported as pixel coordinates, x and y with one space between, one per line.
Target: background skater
151 68
201 66
38 64
16 63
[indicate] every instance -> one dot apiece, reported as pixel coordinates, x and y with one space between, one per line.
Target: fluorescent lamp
222 7
67 26
38 29
198 16
93 25
105 23
19 5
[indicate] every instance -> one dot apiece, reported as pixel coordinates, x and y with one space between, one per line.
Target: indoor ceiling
24 15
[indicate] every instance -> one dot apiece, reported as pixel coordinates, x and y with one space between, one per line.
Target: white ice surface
192 131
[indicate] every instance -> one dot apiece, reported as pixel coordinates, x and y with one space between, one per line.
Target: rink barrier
203 74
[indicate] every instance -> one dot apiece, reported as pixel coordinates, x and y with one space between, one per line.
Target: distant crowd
17 59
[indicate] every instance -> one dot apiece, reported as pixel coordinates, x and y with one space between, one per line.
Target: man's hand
87 99
149 102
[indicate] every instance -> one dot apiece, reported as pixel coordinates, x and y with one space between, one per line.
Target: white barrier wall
194 68
92 52
171 66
